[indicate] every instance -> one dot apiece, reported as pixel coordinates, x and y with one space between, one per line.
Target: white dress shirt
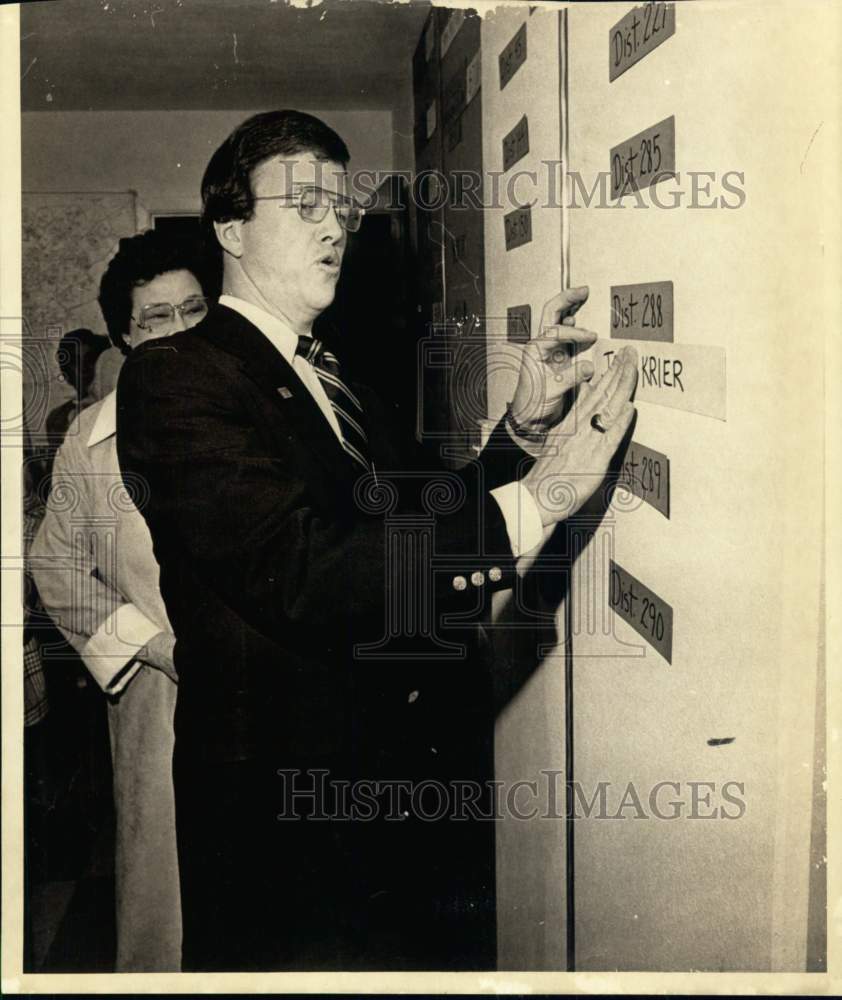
520 513
285 341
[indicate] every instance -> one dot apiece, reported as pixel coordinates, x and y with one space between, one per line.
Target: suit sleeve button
478 578
459 583
495 574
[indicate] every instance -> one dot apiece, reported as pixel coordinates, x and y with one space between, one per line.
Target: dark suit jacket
273 551
278 560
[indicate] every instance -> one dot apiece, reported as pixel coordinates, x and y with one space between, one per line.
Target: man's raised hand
548 370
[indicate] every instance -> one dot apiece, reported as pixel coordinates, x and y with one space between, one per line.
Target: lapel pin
284 393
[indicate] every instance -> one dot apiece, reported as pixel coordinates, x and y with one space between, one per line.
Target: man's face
293 263
173 288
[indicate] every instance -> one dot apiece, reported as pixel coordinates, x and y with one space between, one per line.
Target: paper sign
518 226
637 34
646 474
431 119
513 56
681 376
642 312
473 77
516 144
519 324
649 615
643 160
454 23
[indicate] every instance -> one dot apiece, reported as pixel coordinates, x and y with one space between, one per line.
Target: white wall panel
738 560
529 738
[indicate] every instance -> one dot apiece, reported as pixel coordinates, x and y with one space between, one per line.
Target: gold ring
598 423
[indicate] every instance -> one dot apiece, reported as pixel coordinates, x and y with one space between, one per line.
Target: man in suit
274 488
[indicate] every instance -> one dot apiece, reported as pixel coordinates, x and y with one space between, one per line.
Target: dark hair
71 352
141 258
226 185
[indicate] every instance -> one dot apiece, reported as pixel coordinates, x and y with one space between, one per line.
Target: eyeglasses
313 203
160 314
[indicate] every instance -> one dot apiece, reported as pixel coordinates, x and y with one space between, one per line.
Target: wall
161 155
738 558
529 734
67 240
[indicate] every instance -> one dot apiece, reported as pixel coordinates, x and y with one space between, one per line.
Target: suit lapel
289 398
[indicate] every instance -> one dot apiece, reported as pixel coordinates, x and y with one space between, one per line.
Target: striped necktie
346 406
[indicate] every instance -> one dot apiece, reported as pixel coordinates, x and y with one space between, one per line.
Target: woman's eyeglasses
161 314
314 202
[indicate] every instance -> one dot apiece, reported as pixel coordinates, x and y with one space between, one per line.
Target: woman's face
173 288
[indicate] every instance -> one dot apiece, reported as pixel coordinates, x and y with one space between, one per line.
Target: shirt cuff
110 650
523 520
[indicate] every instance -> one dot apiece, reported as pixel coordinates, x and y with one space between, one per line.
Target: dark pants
263 893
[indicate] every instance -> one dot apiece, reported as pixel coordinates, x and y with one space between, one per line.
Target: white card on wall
681 376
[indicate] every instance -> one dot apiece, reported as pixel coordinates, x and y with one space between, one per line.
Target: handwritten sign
513 56
681 376
519 324
643 160
642 312
649 615
449 32
516 144
518 225
646 473
637 34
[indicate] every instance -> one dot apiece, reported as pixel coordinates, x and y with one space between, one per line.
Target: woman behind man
98 579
